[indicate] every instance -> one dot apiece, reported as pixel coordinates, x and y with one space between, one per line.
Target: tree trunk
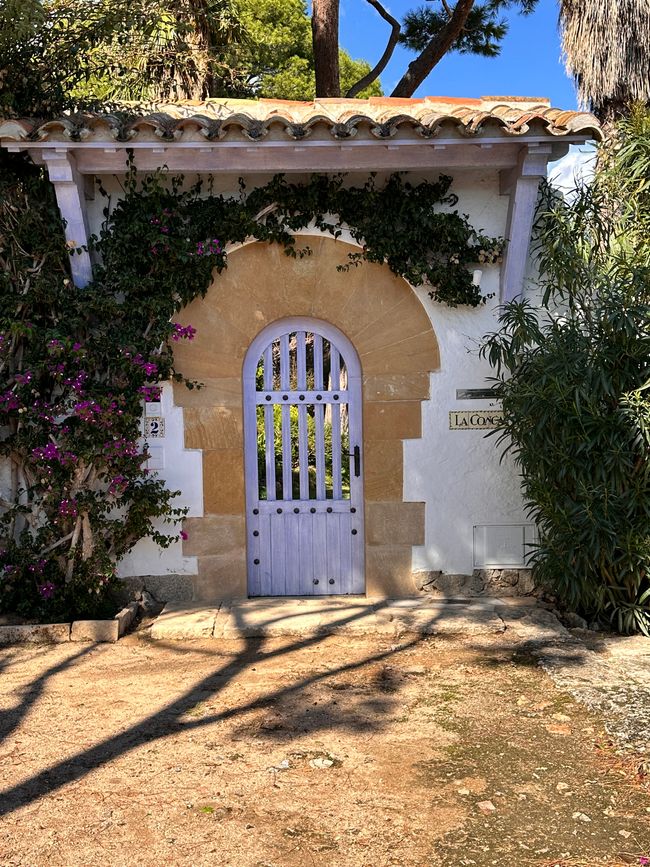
325 36
434 51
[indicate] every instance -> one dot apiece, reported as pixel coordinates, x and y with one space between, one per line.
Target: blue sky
529 65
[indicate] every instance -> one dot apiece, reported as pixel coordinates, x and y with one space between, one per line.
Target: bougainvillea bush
75 367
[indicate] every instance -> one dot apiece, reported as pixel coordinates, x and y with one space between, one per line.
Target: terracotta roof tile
380 117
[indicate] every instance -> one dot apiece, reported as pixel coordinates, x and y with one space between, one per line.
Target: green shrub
574 379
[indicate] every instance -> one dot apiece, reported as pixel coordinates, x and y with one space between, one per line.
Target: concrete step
300 617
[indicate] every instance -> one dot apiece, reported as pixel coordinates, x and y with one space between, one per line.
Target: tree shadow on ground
10 718
173 717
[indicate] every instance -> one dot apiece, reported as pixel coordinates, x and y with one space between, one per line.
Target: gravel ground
320 751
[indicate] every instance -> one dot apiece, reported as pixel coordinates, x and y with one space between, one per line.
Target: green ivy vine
412 228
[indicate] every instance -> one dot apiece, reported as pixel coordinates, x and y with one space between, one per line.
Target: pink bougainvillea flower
184 536
50 452
151 393
46 590
181 332
117 485
68 508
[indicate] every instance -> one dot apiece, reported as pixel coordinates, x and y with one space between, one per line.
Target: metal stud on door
304 486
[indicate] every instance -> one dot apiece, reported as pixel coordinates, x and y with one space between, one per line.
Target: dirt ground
321 751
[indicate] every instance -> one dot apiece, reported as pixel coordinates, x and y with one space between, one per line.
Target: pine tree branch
435 50
386 56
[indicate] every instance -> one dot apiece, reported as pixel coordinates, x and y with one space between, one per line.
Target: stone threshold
97 631
300 616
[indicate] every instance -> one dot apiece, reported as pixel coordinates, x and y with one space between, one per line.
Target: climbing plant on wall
76 364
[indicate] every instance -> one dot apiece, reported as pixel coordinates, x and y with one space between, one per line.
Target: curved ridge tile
16 130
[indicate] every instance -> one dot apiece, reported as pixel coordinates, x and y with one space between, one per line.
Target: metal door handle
356 457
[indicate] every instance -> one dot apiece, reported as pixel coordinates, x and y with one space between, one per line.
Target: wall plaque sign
152 407
479 419
475 394
154 427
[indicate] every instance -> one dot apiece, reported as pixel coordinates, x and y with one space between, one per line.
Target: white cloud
574 169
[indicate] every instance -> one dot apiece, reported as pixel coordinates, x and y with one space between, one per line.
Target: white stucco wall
458 474
181 469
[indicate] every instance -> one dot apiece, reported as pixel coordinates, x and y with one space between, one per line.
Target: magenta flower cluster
147 366
51 452
208 248
77 381
117 485
120 448
47 590
87 410
151 393
68 508
8 401
181 332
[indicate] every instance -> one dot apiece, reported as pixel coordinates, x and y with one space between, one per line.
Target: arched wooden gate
303 461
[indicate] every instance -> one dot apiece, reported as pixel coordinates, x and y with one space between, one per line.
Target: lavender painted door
304 483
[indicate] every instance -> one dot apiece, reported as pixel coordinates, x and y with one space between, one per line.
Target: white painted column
522 185
70 197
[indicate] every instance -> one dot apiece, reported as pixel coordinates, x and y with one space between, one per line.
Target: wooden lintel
220 159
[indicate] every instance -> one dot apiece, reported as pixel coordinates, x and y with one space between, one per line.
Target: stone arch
392 333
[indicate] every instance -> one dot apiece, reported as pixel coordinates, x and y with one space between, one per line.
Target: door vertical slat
286 420
303 451
269 426
301 359
333 554
319 419
306 561
303 439
335 375
278 555
345 547
319 554
319 429
318 362
292 549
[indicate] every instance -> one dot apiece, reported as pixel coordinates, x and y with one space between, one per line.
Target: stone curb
97 631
